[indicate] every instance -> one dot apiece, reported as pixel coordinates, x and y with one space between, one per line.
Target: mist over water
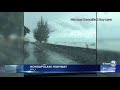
109 44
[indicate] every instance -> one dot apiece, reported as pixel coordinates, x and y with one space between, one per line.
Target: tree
42 31
26 30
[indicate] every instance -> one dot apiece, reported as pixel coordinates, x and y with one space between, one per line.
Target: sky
75 32
108 29
65 30
108 33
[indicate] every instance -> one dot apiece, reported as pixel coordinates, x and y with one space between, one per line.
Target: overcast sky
109 29
65 30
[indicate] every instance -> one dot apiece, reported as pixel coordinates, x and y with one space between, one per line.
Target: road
39 55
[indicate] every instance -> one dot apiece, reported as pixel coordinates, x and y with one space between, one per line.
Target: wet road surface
39 55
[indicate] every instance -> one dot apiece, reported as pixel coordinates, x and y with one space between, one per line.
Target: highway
38 55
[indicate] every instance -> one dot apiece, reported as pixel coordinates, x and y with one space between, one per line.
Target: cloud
108 29
64 29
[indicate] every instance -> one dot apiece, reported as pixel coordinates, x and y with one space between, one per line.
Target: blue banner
117 69
58 68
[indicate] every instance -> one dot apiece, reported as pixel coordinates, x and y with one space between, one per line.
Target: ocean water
109 44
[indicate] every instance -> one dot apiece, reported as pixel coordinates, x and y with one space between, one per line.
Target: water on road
39 55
